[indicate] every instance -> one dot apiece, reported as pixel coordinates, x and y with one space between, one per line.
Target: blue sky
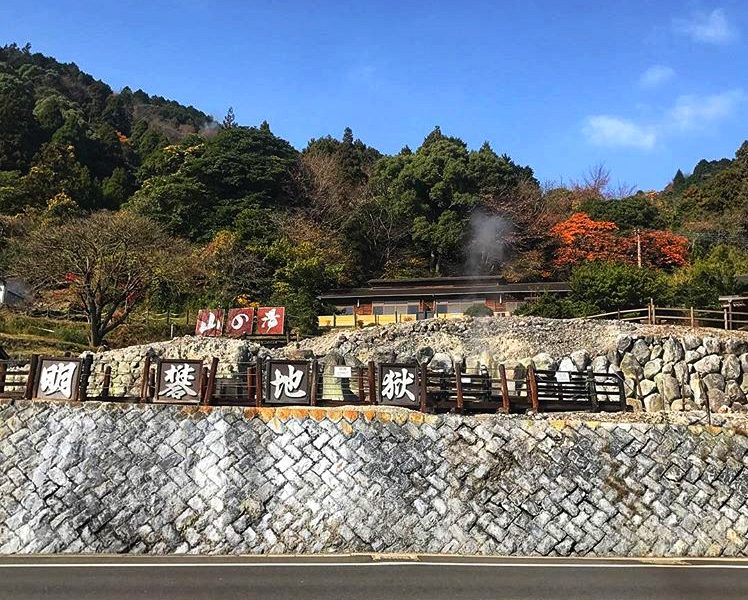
644 87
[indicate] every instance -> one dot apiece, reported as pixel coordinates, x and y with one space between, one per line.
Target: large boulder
730 367
712 345
680 370
641 351
652 368
441 361
424 354
733 392
544 362
743 358
600 364
567 364
735 346
631 367
708 364
581 359
714 381
654 403
717 399
670 388
672 350
691 341
647 387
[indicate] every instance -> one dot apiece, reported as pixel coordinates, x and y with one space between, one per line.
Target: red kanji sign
239 322
209 322
270 320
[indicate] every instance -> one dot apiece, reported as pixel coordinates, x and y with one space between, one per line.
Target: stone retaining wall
164 479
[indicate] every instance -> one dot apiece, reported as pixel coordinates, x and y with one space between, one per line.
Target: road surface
366 577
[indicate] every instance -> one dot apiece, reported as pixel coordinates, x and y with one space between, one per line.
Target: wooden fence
727 318
414 386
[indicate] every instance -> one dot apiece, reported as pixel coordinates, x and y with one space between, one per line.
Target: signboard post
57 378
289 382
179 381
399 385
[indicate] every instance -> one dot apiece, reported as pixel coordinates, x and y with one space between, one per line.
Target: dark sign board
398 385
289 382
179 381
57 379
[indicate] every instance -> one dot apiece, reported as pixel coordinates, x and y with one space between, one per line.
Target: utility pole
638 248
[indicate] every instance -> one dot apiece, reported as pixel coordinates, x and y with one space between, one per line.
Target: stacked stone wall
164 479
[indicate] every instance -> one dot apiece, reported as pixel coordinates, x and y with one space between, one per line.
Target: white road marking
551 565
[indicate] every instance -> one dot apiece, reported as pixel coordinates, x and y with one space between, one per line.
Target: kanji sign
270 320
179 381
239 322
58 379
209 323
288 382
398 385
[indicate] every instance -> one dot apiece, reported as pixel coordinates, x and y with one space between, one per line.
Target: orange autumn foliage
584 239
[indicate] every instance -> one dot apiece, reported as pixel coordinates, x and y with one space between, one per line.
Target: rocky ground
665 368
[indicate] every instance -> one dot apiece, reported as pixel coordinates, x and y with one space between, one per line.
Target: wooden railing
727 318
479 390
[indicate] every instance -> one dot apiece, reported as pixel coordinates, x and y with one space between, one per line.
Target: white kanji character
57 378
213 323
179 379
288 385
395 385
270 320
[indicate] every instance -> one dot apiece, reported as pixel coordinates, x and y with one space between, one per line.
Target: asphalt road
366 578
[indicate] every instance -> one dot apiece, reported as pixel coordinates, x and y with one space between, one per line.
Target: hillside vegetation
236 214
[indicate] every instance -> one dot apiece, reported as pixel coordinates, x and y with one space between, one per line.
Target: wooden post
727 322
593 390
314 378
693 320
211 385
372 382
424 391
31 380
107 382
152 383
144 379
505 405
654 312
360 374
250 379
258 384
458 384
355 324
532 385
3 370
85 375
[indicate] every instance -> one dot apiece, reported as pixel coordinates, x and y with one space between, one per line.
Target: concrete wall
165 479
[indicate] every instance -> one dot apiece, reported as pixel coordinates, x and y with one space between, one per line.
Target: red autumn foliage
584 239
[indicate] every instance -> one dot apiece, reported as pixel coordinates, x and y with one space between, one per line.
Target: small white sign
342 372
562 377
466 380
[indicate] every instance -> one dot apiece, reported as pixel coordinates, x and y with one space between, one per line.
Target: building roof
444 287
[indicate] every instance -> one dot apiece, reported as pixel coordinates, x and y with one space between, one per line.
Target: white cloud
711 28
656 75
694 112
606 130
688 114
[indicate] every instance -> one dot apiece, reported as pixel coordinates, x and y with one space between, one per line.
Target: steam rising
486 246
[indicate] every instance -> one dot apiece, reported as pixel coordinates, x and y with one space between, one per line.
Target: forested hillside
236 214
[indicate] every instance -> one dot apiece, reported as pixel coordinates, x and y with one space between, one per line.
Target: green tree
612 286
19 130
107 261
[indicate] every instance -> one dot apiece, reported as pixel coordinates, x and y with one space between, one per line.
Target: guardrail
727 318
311 383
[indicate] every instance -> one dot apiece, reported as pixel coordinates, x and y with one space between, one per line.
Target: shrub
478 310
